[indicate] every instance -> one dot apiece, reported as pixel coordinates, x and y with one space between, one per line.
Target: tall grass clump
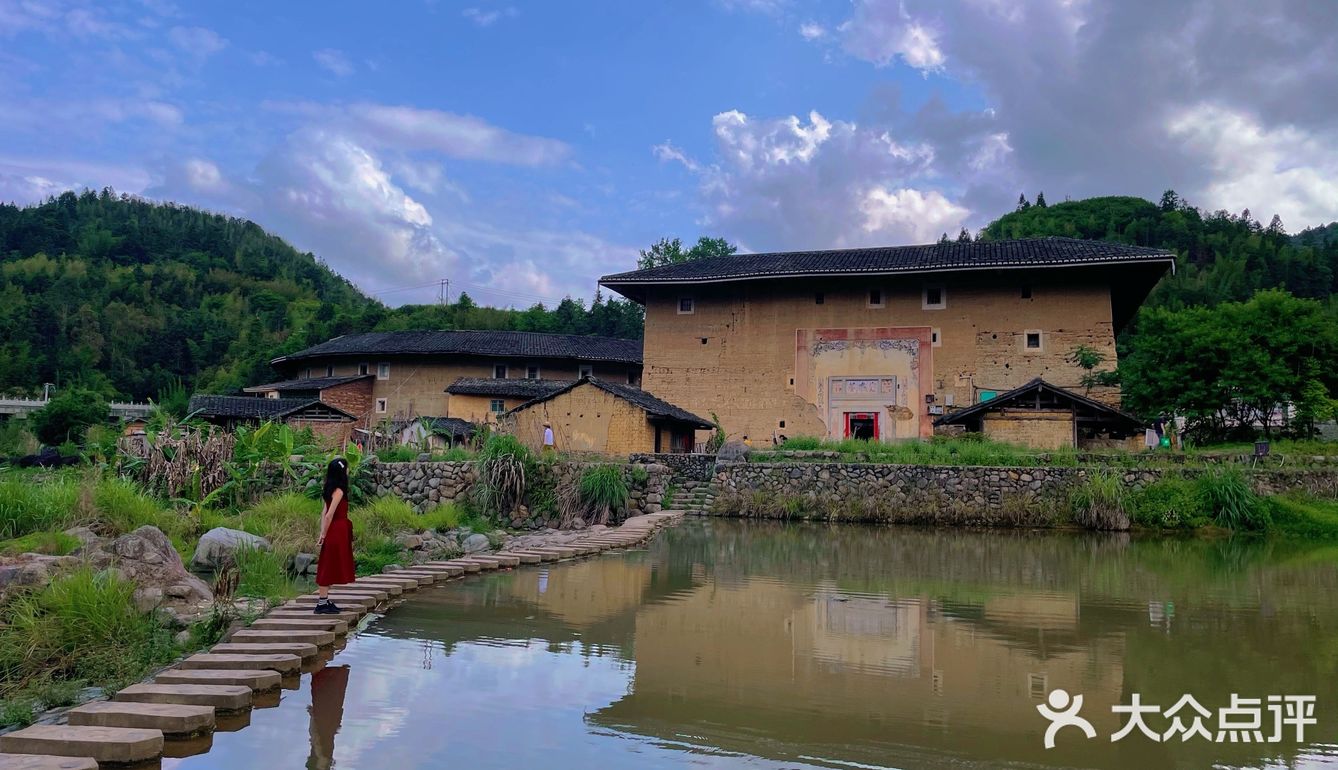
373 554
82 627
386 517
603 490
1099 502
49 543
263 575
290 521
503 466
1229 500
1168 503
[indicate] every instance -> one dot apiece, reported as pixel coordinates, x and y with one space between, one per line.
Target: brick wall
330 433
353 397
1037 429
736 353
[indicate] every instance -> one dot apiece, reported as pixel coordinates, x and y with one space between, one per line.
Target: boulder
409 542
304 563
220 544
31 569
733 452
146 558
475 543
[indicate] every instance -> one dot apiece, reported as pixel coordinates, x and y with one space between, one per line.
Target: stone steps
303 650
256 681
115 745
345 614
314 623
524 558
45 762
318 637
224 697
174 720
282 662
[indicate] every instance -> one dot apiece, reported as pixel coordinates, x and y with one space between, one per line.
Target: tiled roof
648 403
483 386
450 426
312 383
1007 398
474 343
254 407
937 257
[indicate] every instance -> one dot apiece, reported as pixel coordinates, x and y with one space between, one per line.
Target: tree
1022 203
68 414
1088 359
1040 200
1169 201
670 252
964 236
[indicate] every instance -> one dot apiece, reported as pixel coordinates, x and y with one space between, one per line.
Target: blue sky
524 149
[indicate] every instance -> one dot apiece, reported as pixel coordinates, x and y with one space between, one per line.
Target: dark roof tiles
474 343
647 402
313 383
253 407
483 386
1027 252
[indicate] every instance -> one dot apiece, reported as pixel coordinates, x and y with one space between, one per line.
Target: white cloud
878 34
1282 170
787 183
459 136
488 18
812 31
334 61
198 42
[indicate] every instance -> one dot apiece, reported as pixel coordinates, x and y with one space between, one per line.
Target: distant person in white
548 439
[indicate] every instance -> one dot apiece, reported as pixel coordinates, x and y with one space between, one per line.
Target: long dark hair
336 477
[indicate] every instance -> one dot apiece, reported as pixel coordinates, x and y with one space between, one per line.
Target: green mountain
126 297
1223 257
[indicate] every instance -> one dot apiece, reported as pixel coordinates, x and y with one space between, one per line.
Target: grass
1169 503
968 449
1099 502
264 575
1228 498
602 487
373 554
49 543
1300 516
82 627
389 516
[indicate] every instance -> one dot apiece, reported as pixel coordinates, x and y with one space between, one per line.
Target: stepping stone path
173 719
216 690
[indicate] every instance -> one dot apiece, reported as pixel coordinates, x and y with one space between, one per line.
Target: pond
767 645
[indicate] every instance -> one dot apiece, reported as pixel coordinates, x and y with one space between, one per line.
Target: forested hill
1224 257
127 296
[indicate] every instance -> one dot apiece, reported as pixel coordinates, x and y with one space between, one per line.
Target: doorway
862 425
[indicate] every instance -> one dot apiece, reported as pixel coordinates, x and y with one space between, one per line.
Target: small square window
589 371
308 373
703 340
686 306
499 372
1026 292
935 337
631 378
531 372
363 369
383 371
875 297
497 406
782 423
381 406
819 298
1033 340
329 370
935 298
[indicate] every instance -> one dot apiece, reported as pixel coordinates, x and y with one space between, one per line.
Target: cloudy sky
523 149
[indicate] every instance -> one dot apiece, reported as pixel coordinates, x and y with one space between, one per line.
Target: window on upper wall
531 372
308 373
875 297
631 378
587 371
329 371
381 406
363 369
686 306
935 337
935 297
497 406
499 372
383 371
819 298
1032 339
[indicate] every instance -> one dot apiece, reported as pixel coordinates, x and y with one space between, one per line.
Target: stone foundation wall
684 467
961 495
423 485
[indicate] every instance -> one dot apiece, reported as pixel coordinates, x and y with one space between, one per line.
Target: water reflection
768 645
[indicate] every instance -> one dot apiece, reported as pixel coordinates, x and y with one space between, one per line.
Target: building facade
607 418
878 343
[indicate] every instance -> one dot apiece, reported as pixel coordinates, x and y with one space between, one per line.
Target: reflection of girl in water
327 711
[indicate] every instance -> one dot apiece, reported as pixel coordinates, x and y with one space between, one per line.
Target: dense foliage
1244 333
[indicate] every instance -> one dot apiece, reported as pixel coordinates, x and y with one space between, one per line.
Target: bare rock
219 545
475 543
146 558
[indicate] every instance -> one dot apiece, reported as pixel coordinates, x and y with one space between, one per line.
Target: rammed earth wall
961 495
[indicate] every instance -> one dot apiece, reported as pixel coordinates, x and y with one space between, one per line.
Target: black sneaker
326 607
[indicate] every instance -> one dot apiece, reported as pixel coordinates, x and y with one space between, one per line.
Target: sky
521 150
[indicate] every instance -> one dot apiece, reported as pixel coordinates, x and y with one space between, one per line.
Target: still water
765 645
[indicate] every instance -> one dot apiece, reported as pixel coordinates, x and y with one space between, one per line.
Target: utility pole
443 291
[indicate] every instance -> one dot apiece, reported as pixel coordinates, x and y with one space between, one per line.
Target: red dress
335 565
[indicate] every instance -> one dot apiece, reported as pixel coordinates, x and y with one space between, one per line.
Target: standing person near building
549 446
335 545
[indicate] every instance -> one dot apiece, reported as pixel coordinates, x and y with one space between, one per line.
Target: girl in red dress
335 564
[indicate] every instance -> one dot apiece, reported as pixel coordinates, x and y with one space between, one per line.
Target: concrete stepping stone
45 762
419 576
483 562
505 560
355 608
543 555
283 663
232 722
525 558
175 720
300 649
392 587
390 577
379 594
314 623
441 568
224 697
469 566
316 636
116 745
340 599
351 618
257 681
192 746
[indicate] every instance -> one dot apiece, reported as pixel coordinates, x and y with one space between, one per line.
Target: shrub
1227 497
100 442
1099 502
1168 503
16 439
603 490
66 416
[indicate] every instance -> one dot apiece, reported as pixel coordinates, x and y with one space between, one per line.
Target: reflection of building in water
584 593
861 670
